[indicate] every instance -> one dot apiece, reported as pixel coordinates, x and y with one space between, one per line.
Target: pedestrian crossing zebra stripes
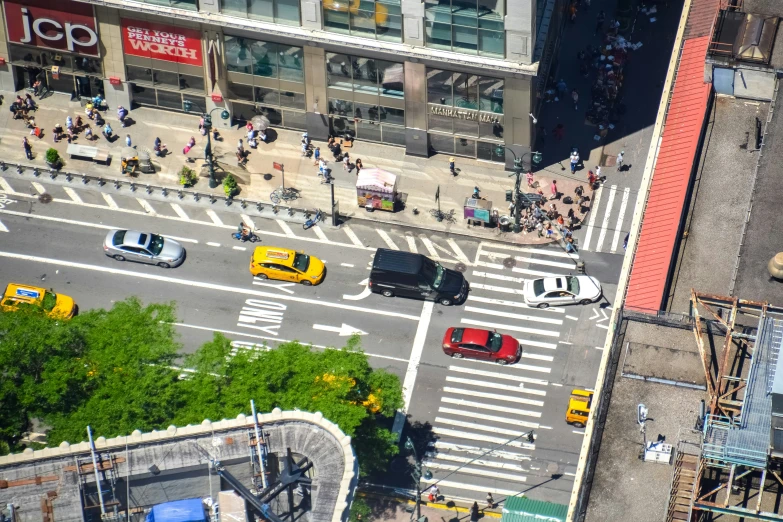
607 221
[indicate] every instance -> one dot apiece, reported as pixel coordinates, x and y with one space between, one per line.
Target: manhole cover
460 267
509 262
267 177
45 198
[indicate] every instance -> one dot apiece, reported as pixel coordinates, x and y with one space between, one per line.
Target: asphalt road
460 409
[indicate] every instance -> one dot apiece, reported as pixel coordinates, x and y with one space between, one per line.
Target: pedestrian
591 179
304 148
322 167
554 189
620 158
575 97
598 173
574 160
240 151
452 168
572 12
529 176
88 132
474 512
359 167
346 162
559 131
28 149
128 140
625 241
599 25
562 87
122 112
569 245
317 155
68 123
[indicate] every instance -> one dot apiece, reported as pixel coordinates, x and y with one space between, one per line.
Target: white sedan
561 290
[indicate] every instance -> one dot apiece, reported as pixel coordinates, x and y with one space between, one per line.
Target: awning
523 509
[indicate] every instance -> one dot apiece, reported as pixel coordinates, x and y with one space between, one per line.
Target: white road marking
387 239
519 317
503 302
476 426
458 251
411 243
214 217
512 328
418 347
543 251
320 233
538 357
555 384
497 375
7 188
343 330
493 288
535 261
180 211
38 187
496 396
578 432
470 487
564 342
248 221
347 265
436 455
490 275
208 286
276 286
3 228
607 215
545 427
593 214
485 438
492 407
110 201
73 195
495 386
146 206
352 236
516 366
275 339
536 273
538 344
428 246
572 318
619 226
484 416
496 266
239 248
476 450
475 471
212 244
599 347
604 326
286 229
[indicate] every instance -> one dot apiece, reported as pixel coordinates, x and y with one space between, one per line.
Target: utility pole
416 475
187 105
520 200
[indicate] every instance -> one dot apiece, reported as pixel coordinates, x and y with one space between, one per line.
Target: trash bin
505 223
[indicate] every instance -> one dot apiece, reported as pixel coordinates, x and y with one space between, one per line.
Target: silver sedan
143 247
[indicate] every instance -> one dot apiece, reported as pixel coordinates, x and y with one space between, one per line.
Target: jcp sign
70 28
161 42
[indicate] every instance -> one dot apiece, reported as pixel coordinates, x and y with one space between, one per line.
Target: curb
431 505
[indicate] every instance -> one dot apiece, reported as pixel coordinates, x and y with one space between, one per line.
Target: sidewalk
419 178
390 509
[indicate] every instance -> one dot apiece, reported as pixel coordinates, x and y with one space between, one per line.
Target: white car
561 290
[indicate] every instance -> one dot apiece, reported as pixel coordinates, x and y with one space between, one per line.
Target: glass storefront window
465 91
190 5
466 26
364 75
276 11
378 19
139 74
266 59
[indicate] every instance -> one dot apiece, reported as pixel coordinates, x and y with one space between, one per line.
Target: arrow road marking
595 315
362 295
603 312
343 330
3 228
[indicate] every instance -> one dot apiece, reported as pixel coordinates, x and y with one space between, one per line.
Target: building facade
457 77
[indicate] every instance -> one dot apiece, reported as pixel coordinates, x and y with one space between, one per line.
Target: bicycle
311 222
286 194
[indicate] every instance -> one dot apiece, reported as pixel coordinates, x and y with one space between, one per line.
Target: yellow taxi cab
286 265
579 408
17 296
353 6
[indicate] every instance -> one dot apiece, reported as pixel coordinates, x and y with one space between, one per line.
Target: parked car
561 290
143 247
579 405
484 345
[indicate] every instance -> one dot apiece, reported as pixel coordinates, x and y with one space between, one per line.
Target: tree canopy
116 370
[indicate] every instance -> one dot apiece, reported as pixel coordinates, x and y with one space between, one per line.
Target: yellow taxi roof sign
277 254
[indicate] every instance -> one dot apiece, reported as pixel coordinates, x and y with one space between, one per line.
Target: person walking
359 167
304 148
574 161
591 179
128 140
474 512
554 189
122 112
490 501
599 25
452 168
322 167
88 132
529 177
346 162
620 159
575 97
240 151
598 173
562 87
569 245
316 155
28 149
572 12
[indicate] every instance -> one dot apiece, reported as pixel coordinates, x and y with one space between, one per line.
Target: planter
54 165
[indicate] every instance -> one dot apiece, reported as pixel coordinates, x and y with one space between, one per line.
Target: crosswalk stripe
496 266
496 396
477 426
320 233
538 344
495 386
434 455
285 228
180 211
485 438
110 201
499 277
475 471
542 251
536 273
7 188
470 487
428 246
493 407
247 220
147 207
534 261
458 251
497 375
503 302
476 450
519 317
619 226
352 235
73 195
494 288
538 357
607 215
386 239
411 243
519 366
593 214
484 416
512 328
38 187
214 217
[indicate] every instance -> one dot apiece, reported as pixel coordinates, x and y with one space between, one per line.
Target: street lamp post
187 105
416 475
518 169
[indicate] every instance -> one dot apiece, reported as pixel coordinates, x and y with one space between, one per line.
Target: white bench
87 152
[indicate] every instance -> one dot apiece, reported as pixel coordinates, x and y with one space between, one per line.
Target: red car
475 343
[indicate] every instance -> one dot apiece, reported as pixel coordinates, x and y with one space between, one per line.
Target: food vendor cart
376 189
478 211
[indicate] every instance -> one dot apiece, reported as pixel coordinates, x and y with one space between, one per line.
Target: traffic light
509 195
518 165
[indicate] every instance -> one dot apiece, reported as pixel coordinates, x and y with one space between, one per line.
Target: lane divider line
593 214
607 216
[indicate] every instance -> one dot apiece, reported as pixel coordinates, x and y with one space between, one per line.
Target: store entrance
27 76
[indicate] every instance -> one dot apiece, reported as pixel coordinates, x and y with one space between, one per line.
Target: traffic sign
278 166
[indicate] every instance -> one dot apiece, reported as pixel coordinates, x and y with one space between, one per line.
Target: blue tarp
188 510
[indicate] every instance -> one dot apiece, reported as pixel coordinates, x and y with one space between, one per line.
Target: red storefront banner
161 42
70 28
